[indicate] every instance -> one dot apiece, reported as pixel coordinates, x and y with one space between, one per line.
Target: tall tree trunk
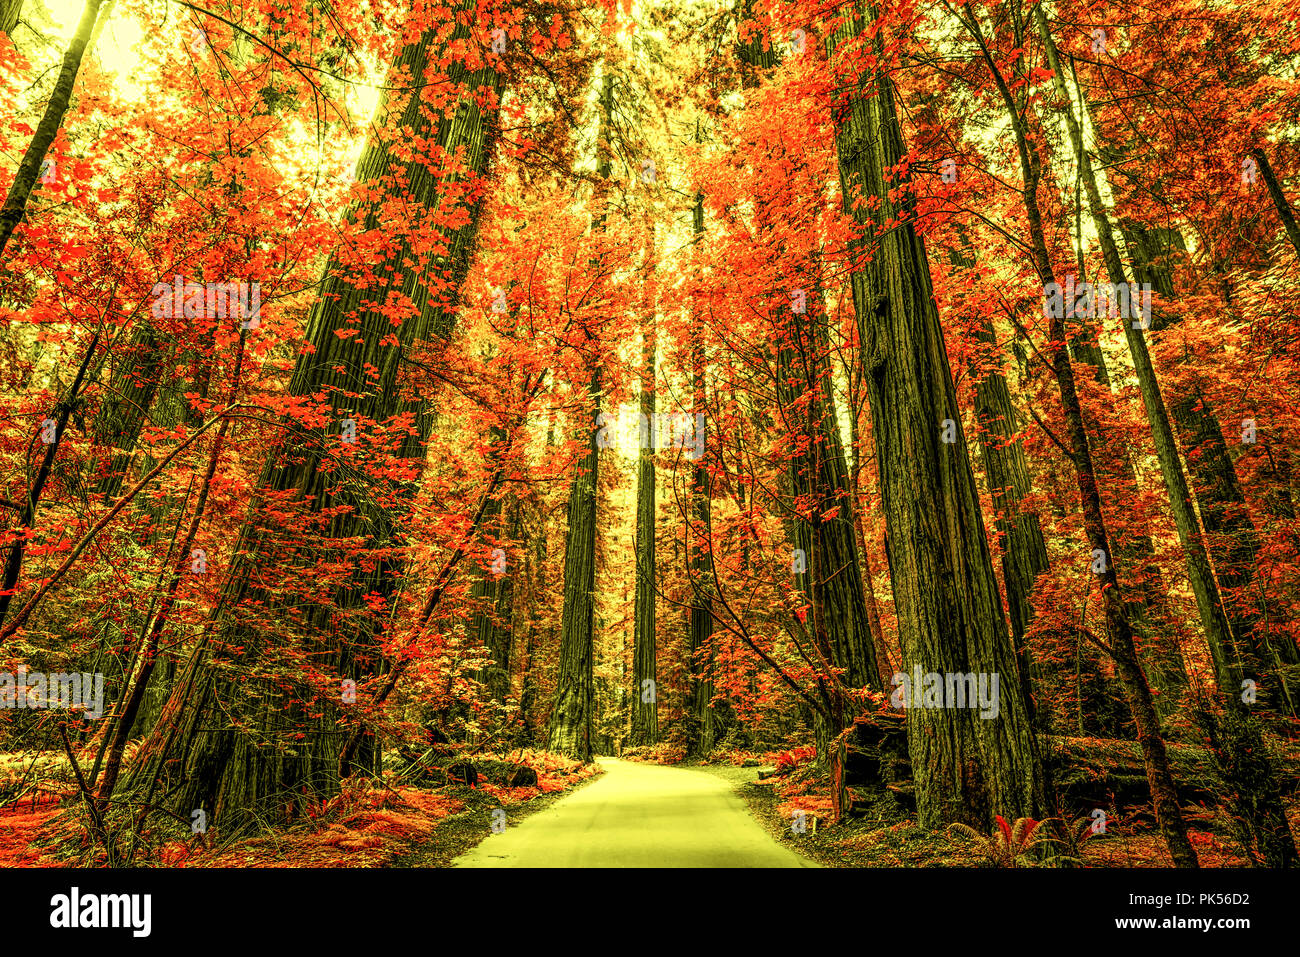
884 664
1145 592
703 721
820 474
645 692
571 715
1121 647
29 170
1020 537
491 623
228 769
1246 766
574 704
945 592
1280 203
537 590
132 387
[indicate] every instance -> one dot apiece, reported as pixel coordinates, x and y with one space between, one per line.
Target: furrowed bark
819 475
493 590
645 697
570 730
571 716
9 13
703 725
121 416
1006 471
945 592
222 766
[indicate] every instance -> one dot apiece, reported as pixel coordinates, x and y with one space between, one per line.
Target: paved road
639 815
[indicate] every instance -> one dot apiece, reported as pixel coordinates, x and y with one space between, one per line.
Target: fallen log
1096 771
1086 772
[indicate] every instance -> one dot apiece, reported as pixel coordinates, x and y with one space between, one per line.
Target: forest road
639 815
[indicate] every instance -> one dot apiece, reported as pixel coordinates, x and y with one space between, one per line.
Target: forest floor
607 813
885 835
377 823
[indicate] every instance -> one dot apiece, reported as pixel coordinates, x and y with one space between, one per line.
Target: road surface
639 815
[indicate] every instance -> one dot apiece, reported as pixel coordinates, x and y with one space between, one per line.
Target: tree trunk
1284 211
572 711
945 592
1020 537
9 13
122 414
820 474
645 694
571 716
703 721
1119 629
29 170
885 668
226 769
491 624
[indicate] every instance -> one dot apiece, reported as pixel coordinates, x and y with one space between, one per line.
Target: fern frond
968 831
1023 830
1004 827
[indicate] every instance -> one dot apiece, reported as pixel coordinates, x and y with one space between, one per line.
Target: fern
1006 843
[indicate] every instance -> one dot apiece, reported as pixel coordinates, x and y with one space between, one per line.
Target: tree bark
1280 203
572 712
945 592
571 715
1121 647
703 721
491 623
29 170
132 387
228 769
645 694
9 13
1006 471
